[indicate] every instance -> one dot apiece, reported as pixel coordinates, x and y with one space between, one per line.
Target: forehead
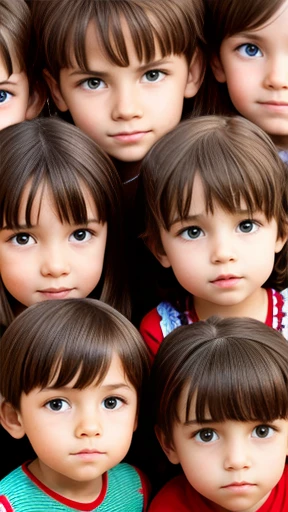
95 49
44 200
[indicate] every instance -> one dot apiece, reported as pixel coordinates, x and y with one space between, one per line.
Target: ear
280 242
11 420
55 91
195 75
218 69
169 450
135 423
158 252
36 102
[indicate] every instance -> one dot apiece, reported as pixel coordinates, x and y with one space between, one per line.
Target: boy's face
218 257
232 463
254 64
78 434
125 109
15 102
51 259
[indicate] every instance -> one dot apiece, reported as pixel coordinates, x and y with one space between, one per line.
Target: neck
127 170
255 306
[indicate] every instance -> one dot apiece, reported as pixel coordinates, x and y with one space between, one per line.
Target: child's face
15 103
125 109
255 66
243 460
52 260
222 259
80 433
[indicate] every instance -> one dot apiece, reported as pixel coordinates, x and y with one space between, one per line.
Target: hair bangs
238 383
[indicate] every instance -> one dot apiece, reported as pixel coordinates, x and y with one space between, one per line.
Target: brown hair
176 25
16 46
237 368
51 151
225 18
236 161
57 340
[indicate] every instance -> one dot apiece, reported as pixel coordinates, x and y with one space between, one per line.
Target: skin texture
16 104
77 434
125 109
52 260
219 258
229 452
254 64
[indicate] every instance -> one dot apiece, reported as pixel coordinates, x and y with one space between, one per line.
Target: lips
130 136
55 293
226 281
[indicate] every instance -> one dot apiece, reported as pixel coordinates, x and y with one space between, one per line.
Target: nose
88 424
55 262
222 249
127 104
237 456
277 73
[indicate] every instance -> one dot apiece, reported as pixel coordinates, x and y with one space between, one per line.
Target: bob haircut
236 161
15 35
48 151
55 341
237 368
175 25
223 19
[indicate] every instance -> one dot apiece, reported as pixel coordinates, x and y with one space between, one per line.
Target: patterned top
165 318
124 489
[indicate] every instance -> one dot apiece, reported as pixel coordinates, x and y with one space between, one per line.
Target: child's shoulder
178 495
128 487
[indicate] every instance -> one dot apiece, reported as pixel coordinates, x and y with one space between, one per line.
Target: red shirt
178 495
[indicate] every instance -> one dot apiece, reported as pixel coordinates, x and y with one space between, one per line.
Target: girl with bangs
216 211
60 219
248 53
220 391
73 391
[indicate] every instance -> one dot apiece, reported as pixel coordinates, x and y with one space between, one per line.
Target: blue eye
92 84
4 96
249 50
247 226
154 75
191 233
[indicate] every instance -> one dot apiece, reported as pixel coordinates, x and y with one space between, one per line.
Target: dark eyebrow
248 35
197 216
7 82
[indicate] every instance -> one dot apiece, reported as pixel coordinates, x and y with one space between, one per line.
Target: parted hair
52 152
55 341
235 368
61 25
236 161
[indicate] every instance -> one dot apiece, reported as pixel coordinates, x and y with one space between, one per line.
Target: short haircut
55 341
61 25
54 152
237 368
236 161
15 36
225 18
